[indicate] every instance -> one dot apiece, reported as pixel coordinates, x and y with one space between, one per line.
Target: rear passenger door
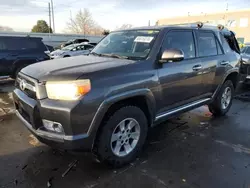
210 55
180 81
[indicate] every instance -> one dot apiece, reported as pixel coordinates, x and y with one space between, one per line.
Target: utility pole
53 18
49 18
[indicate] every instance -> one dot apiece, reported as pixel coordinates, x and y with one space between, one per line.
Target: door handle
197 67
224 62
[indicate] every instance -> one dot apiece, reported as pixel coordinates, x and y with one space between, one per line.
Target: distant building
237 21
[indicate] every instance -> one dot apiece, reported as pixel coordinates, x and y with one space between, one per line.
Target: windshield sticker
143 39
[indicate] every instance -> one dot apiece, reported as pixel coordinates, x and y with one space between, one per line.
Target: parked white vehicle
72 50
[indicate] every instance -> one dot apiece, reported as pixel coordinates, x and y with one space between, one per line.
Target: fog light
53 126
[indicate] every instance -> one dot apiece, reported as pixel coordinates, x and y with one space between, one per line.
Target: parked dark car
73 41
132 80
245 66
18 52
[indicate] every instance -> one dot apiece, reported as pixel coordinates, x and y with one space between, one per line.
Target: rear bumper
31 112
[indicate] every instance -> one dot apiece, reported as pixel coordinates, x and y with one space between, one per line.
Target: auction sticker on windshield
143 39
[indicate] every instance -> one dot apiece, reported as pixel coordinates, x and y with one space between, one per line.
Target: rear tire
222 103
118 146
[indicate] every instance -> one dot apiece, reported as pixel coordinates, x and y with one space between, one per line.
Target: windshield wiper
115 56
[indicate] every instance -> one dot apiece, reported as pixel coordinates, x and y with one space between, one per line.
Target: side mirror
172 55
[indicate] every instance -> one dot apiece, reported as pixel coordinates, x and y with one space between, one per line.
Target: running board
182 108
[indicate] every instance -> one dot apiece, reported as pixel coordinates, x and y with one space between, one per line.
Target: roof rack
200 25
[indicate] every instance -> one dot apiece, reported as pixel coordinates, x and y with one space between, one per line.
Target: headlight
67 90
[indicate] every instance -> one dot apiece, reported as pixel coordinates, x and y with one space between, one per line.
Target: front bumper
31 112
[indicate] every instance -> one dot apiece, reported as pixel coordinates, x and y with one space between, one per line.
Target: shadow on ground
194 150
191 151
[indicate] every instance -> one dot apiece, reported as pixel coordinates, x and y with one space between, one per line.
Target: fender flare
104 106
235 70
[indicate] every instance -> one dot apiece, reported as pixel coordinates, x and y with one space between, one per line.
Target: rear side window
182 40
225 44
206 44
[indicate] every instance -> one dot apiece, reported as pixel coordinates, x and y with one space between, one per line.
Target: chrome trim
49 135
28 78
181 108
248 77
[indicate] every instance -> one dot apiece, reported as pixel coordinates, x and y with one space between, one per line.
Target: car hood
71 68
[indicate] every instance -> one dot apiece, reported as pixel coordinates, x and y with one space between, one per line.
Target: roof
198 25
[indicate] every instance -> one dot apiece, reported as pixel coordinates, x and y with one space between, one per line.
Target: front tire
223 101
121 138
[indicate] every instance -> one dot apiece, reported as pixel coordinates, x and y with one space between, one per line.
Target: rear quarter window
225 45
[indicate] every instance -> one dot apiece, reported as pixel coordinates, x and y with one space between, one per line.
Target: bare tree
5 28
83 23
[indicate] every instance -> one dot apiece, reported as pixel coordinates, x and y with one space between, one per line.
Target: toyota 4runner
132 80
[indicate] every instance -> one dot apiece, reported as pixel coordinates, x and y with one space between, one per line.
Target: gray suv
132 80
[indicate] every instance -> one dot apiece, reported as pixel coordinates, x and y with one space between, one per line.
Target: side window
87 47
243 49
10 43
247 50
206 44
27 44
83 47
78 48
182 40
3 45
18 43
225 44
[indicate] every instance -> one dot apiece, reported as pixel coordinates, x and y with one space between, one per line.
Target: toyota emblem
22 85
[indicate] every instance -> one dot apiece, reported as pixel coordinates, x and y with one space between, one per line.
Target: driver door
181 82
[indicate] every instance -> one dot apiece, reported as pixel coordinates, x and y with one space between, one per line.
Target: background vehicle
72 50
245 66
73 41
133 79
18 52
50 48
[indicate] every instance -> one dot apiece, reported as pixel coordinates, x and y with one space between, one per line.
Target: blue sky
21 15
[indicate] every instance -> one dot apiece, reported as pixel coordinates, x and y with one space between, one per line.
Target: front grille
30 86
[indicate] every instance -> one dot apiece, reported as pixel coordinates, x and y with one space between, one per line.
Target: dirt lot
194 150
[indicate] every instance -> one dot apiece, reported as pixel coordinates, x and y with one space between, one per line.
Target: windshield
131 44
70 47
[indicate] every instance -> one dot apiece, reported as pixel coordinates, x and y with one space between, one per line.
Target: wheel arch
142 98
232 75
